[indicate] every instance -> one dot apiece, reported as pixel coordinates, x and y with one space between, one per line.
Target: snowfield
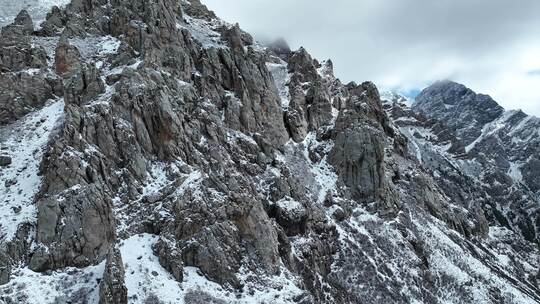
24 141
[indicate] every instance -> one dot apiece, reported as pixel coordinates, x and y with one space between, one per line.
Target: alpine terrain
152 153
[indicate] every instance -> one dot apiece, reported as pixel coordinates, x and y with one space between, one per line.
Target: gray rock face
16 52
358 152
5 160
24 20
75 232
184 169
112 289
56 19
22 88
14 252
23 92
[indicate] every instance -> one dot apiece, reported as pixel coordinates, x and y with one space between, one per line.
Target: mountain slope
192 165
504 151
485 170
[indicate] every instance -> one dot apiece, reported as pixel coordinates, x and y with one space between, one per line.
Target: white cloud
488 45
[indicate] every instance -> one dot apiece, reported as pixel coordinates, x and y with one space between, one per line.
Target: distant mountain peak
453 93
465 111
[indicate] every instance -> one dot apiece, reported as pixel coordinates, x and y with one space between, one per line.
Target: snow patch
145 279
289 204
204 31
142 268
37 9
324 173
234 135
515 173
96 46
70 285
280 73
474 274
24 141
490 129
48 44
390 97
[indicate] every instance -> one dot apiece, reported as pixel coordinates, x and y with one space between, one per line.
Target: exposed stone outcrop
5 160
24 20
358 152
15 252
302 190
55 21
112 289
22 87
16 51
77 231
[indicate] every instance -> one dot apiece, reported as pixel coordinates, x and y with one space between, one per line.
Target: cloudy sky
492 46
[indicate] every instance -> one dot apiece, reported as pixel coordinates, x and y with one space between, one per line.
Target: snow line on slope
24 142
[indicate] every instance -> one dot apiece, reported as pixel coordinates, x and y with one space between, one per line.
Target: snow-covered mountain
498 149
510 139
153 153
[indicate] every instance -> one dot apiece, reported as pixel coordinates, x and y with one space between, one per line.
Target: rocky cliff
153 153
498 148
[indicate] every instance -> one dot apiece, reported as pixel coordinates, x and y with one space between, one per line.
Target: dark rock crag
246 163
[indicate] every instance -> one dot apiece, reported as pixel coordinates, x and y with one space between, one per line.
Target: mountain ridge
505 146
186 163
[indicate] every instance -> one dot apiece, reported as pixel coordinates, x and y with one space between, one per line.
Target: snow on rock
324 173
24 142
389 97
96 46
48 44
469 272
193 181
205 32
70 285
491 129
472 273
147 280
280 73
234 135
515 172
157 178
421 142
319 177
38 9
278 289
142 268
165 181
289 204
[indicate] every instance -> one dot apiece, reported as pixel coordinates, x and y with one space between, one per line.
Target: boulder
5 160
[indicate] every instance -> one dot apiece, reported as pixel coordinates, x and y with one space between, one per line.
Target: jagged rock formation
190 164
112 288
24 83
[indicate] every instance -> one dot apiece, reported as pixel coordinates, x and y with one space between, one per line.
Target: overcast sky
492 46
